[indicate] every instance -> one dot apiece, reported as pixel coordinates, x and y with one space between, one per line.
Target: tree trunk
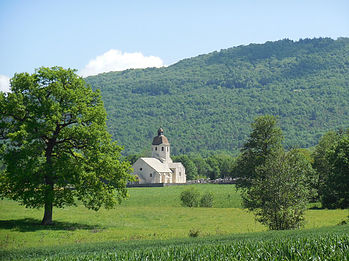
49 196
49 192
47 220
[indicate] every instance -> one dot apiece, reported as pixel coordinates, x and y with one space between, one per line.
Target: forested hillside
208 102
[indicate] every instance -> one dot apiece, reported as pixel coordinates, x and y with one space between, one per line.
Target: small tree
55 146
281 191
190 197
274 184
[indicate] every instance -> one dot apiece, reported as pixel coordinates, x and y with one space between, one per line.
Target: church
159 168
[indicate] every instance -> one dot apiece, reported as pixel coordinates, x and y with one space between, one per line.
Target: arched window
156 148
150 174
162 148
140 169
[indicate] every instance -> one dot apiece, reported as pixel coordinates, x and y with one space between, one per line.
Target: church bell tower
161 147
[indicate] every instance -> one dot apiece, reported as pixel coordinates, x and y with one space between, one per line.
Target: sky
101 36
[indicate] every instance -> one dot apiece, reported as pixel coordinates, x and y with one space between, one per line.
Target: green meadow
149 215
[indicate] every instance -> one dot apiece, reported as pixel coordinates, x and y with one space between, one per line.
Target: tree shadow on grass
31 225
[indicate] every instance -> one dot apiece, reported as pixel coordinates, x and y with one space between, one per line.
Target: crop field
153 221
329 243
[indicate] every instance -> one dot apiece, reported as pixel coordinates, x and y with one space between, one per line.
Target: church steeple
160 139
161 147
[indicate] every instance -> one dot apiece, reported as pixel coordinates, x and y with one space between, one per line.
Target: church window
156 148
150 174
140 169
162 148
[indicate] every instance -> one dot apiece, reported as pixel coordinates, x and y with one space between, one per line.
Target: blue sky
97 36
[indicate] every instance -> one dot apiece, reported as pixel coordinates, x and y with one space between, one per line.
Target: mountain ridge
206 103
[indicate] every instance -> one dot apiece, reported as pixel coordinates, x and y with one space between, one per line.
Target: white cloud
4 83
115 60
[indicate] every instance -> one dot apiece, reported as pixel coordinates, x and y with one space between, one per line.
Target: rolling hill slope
207 103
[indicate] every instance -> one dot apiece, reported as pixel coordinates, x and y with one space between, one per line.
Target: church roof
156 164
161 138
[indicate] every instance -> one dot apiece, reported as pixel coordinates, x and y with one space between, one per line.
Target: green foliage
331 164
321 164
201 165
55 144
190 197
207 102
336 185
190 169
194 232
264 142
206 201
212 165
213 170
281 190
276 185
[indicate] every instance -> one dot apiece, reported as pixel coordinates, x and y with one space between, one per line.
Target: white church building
159 168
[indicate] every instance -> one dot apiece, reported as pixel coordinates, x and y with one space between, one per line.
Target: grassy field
328 243
149 214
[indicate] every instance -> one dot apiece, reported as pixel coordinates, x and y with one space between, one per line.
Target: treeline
211 166
207 103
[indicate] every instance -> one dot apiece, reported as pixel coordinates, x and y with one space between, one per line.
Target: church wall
161 152
145 173
179 172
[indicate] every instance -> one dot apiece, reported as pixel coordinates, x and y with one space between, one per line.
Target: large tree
275 185
55 146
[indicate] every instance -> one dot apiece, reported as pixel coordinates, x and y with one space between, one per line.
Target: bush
194 232
206 200
190 197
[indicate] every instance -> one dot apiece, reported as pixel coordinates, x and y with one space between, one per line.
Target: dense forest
207 103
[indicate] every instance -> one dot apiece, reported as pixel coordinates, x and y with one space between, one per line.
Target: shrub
190 197
194 232
206 200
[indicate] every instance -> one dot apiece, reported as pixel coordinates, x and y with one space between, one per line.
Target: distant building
159 168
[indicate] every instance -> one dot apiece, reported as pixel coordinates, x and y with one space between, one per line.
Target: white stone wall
161 152
145 173
178 170
148 174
